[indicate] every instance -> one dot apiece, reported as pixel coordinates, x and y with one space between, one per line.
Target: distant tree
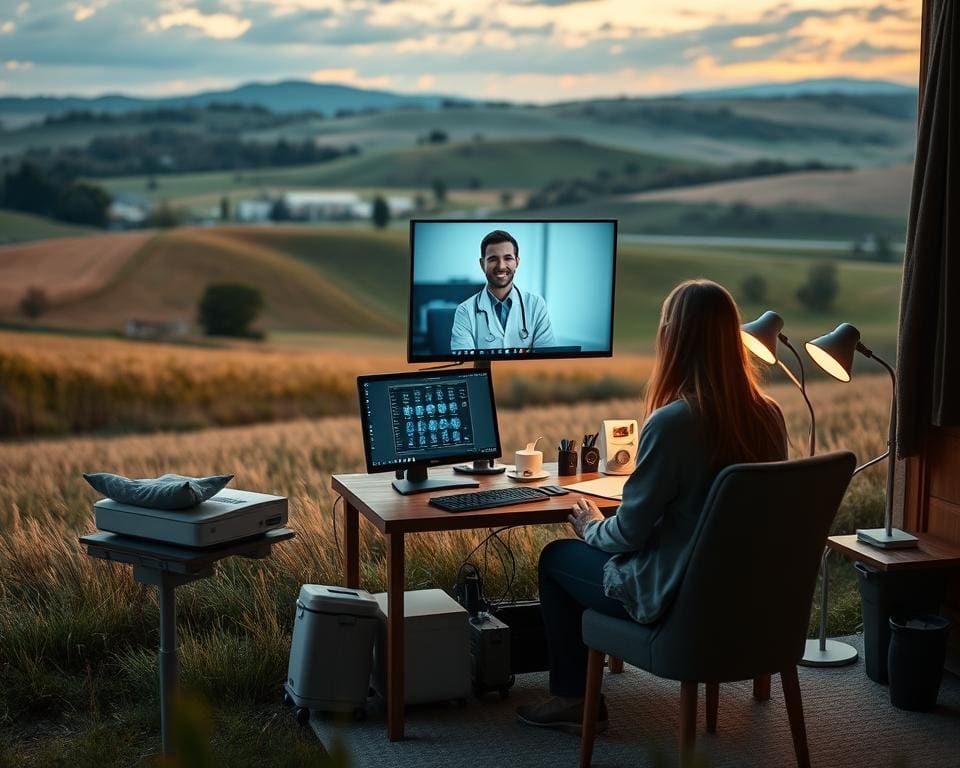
474 182
882 249
754 289
34 303
152 183
438 136
506 198
439 190
29 189
228 309
82 204
381 212
420 201
280 211
856 250
164 216
224 208
820 289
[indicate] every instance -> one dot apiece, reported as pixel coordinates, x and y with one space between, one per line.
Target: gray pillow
164 492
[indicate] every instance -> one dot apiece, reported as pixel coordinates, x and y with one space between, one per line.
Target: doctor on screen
500 315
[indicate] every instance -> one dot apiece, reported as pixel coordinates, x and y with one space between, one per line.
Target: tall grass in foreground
79 634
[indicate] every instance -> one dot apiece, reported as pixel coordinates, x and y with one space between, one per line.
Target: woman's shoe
561 714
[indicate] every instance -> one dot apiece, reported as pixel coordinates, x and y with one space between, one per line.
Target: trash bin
885 593
918 649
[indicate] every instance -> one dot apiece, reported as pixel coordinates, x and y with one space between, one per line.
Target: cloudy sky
538 50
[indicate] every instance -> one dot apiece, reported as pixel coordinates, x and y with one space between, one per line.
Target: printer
227 516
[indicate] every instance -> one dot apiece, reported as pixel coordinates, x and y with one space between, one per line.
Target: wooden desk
395 516
931 552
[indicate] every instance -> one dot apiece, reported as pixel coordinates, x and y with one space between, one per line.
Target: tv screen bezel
440 460
475 355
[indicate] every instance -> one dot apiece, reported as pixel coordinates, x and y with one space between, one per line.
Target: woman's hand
583 512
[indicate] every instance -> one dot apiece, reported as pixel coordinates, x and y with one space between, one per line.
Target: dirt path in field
64 268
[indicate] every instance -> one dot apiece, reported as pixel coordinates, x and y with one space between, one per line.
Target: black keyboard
498 497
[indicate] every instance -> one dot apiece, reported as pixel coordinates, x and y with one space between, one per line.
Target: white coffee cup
529 462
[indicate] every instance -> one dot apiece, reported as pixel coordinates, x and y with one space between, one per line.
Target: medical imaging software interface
425 418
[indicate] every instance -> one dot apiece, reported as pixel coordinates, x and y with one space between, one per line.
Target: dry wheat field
75 632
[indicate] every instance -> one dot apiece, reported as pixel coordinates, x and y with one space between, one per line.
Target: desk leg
351 545
395 632
169 664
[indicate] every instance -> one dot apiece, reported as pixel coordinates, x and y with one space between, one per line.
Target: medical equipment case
436 647
332 650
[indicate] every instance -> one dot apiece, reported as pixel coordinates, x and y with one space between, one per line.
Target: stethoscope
524 333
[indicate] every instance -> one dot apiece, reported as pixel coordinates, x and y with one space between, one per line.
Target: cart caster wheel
359 714
287 699
303 715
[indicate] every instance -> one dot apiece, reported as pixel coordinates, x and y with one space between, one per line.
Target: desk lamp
760 337
834 352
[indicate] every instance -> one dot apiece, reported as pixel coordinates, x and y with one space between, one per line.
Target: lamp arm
892 436
802 386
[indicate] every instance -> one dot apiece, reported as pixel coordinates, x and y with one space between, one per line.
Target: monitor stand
481 467
416 481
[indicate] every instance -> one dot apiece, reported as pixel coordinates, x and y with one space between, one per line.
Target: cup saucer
512 474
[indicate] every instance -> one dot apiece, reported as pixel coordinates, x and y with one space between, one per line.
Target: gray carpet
850 722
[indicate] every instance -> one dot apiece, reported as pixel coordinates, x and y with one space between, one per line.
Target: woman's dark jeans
571 580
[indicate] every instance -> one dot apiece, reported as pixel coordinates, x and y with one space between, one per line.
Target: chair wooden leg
616 665
688 720
713 704
761 688
798 729
591 706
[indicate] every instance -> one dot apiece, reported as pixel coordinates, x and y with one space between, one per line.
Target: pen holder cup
590 461
566 463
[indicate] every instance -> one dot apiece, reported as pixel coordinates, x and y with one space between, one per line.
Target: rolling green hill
352 281
16 227
502 164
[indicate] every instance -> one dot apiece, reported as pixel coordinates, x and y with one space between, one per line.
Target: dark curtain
928 350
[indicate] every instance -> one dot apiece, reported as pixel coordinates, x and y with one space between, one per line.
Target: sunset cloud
523 49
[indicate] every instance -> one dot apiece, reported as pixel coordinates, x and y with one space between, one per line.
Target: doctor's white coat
472 331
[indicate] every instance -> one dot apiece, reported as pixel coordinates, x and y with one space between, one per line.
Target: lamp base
835 654
877 537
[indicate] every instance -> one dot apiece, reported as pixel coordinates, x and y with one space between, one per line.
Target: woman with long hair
704 411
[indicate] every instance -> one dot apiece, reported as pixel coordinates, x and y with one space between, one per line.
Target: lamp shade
834 351
760 335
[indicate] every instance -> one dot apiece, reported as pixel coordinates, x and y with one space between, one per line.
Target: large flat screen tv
511 289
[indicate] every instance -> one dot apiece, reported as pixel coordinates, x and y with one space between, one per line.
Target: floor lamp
760 337
834 353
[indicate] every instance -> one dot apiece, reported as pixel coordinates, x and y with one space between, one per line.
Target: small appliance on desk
619 441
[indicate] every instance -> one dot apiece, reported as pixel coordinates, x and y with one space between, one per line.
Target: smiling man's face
499 264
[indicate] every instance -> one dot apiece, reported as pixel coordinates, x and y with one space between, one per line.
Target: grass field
78 636
16 227
336 303
501 164
65 268
349 280
876 191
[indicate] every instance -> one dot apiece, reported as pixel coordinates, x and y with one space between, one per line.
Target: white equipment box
227 516
332 649
436 647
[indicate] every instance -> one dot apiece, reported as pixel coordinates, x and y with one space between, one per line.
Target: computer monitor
412 421
511 289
